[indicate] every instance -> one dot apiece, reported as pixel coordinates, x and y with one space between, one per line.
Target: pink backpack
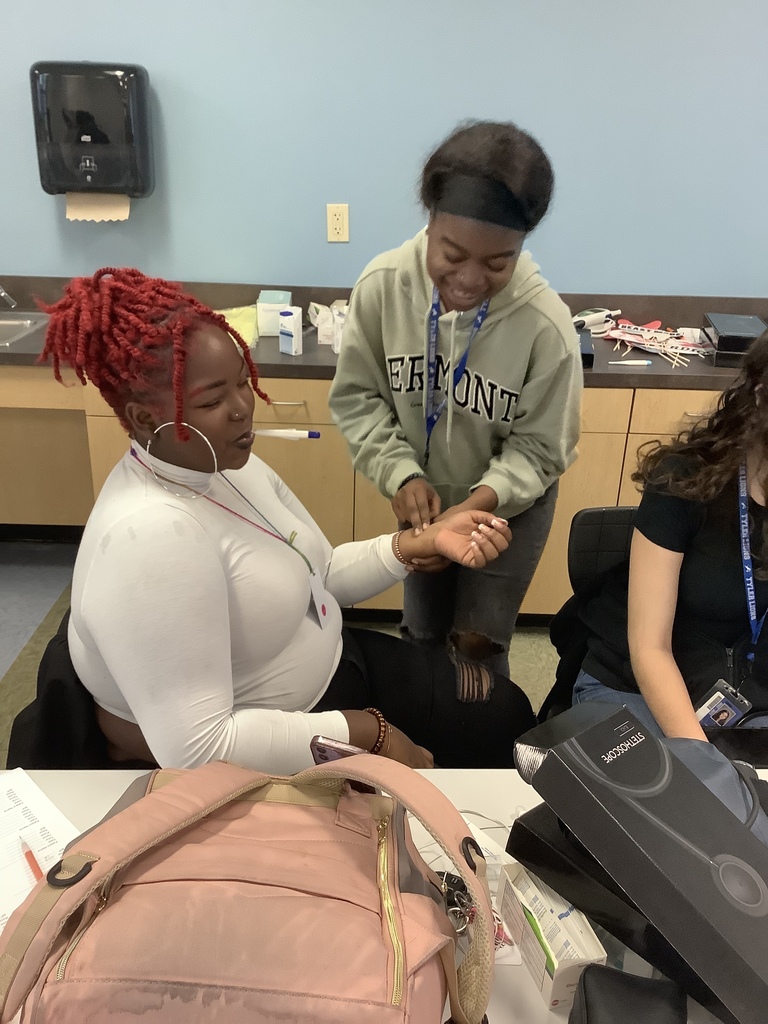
232 897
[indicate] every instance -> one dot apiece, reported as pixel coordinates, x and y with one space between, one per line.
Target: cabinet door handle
303 402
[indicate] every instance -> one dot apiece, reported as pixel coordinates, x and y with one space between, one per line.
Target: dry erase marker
30 858
289 435
630 362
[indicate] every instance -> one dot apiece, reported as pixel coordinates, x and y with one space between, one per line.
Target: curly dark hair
498 150
715 446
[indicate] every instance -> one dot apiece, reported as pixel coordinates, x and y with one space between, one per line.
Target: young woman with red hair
206 603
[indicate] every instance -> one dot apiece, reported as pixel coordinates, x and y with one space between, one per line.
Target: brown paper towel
97 206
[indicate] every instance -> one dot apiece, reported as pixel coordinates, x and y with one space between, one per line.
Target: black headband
481 198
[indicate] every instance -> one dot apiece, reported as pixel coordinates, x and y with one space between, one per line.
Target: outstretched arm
654 573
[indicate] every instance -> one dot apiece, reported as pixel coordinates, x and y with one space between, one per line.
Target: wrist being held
472 538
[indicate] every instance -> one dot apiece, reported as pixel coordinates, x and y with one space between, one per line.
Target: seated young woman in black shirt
666 628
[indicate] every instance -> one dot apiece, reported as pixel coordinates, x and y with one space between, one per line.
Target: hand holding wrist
407 544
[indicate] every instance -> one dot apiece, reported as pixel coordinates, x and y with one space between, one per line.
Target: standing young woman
459 385
687 615
206 618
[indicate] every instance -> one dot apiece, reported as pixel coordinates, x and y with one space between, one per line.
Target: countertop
319 363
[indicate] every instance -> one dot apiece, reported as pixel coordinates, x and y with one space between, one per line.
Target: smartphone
325 749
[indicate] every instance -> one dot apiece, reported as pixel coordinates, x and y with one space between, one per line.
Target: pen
289 435
30 858
629 362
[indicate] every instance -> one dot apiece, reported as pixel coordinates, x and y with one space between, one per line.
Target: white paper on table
27 813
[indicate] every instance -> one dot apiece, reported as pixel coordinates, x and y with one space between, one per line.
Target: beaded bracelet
396 547
383 729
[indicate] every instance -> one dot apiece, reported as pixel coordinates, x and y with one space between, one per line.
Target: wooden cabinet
615 423
668 411
107 444
44 466
319 471
44 462
659 415
374 516
593 479
320 474
629 494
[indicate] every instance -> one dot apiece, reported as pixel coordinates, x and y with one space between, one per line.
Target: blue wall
655 115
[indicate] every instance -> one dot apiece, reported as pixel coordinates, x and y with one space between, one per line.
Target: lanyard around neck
755 624
433 413
271 532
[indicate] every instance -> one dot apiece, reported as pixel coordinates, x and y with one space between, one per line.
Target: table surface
84 797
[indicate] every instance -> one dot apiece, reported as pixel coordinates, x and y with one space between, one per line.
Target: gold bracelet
396 547
388 742
383 727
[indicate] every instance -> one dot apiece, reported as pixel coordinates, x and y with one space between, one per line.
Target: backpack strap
32 931
469 988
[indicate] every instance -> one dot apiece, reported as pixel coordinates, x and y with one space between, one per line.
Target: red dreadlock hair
118 328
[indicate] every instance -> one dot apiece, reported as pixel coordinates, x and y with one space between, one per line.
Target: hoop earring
196 494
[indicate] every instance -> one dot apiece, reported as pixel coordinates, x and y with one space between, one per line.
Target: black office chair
59 728
599 539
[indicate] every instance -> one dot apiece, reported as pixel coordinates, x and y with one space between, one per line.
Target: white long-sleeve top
200 628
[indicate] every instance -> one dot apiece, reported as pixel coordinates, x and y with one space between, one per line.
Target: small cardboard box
556 941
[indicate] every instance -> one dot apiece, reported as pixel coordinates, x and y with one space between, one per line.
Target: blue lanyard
432 413
755 625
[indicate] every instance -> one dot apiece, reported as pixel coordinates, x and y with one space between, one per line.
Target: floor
32 577
34 581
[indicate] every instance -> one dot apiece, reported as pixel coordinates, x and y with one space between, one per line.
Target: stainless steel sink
15 326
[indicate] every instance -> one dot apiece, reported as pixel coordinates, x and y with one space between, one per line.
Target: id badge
722 706
320 599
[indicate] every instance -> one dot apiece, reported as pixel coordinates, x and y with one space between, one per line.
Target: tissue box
268 308
556 941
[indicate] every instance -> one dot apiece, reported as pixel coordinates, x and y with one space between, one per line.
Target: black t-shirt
711 604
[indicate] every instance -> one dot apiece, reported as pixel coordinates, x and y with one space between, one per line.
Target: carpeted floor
17 687
532 661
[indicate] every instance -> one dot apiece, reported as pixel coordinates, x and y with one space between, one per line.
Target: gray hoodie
513 420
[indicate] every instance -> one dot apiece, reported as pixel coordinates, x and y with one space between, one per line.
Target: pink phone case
325 749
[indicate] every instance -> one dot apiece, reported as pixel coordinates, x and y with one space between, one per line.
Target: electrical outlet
338 222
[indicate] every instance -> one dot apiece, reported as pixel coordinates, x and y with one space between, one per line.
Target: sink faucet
8 298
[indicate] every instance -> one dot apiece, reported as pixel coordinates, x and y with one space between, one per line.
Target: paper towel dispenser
92 127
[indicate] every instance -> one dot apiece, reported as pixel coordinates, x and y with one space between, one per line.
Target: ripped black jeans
473 611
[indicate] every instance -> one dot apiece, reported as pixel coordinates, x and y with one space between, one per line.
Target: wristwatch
413 476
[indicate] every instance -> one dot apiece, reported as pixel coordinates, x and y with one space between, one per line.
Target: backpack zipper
389 913
100 904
